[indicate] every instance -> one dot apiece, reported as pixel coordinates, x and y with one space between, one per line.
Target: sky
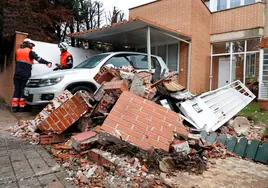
124 5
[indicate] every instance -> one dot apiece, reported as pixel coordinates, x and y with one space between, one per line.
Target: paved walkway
23 165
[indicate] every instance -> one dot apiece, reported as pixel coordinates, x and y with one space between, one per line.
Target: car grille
29 98
33 83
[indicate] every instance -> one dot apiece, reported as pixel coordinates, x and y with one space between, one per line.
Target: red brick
170 114
163 140
69 105
149 107
61 126
120 121
108 129
150 134
174 122
54 117
182 131
130 117
45 125
160 121
139 143
139 112
148 102
61 117
146 123
125 103
164 146
62 111
139 129
130 132
167 134
122 103
147 111
110 122
76 102
50 121
69 118
116 113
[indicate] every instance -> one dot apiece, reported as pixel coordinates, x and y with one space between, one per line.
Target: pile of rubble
128 130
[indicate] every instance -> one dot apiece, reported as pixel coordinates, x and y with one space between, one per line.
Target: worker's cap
27 40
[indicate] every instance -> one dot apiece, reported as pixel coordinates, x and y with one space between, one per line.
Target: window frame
251 65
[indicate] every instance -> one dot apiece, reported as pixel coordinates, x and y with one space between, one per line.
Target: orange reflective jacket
63 58
23 54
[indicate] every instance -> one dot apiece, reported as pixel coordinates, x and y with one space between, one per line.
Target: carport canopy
133 33
136 33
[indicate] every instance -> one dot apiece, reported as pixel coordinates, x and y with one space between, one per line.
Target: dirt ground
226 173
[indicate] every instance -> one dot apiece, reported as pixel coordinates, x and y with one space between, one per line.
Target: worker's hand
49 65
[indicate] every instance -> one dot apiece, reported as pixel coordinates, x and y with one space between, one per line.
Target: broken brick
54 117
98 157
143 128
106 75
51 139
82 140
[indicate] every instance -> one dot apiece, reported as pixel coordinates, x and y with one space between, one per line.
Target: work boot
21 109
14 109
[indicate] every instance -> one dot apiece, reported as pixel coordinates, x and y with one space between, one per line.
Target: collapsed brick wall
61 118
143 122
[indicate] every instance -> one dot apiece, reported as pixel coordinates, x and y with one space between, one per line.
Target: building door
224 72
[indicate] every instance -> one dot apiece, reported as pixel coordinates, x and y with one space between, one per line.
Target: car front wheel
81 89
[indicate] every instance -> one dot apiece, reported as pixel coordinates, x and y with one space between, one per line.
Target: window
173 57
251 65
91 62
141 61
249 1
119 60
265 66
136 60
222 4
234 3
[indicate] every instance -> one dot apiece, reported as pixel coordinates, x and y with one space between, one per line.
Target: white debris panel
211 110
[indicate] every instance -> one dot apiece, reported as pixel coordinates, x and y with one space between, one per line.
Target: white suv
41 89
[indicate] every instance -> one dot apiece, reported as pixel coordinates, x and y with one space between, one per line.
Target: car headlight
49 82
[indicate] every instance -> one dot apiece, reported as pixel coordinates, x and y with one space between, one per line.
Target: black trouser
18 96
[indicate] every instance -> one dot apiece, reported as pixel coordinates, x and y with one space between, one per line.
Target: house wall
191 17
175 14
237 19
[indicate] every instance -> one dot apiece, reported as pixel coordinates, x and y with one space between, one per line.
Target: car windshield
91 62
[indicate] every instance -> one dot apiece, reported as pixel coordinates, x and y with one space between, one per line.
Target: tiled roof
126 22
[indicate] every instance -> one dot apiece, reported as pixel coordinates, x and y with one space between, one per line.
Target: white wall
51 52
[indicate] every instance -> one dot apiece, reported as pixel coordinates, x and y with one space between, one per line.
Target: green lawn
252 112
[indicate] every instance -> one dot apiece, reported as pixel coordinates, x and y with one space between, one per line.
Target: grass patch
252 112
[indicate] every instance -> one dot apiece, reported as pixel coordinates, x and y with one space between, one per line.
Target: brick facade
143 122
6 76
191 17
237 19
194 18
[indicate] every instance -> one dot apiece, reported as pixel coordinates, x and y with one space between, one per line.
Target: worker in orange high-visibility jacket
24 60
66 59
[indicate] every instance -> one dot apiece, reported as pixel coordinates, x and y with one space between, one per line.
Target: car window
119 60
141 61
92 62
